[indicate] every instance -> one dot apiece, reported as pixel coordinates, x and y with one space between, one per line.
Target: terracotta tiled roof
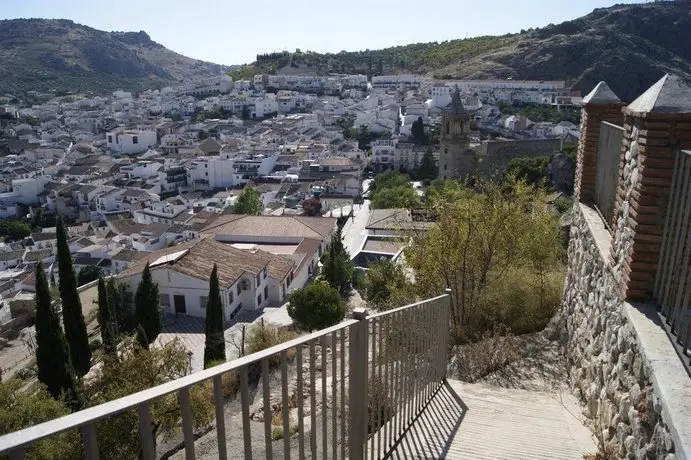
11 255
34 256
272 226
199 260
280 266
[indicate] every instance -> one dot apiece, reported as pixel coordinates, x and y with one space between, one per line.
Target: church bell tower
455 158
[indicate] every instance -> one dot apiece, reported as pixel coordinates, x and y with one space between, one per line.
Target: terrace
373 386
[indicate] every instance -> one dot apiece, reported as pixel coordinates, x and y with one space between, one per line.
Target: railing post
357 386
447 336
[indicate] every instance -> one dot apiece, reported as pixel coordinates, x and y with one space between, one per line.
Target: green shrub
532 170
316 306
386 286
563 204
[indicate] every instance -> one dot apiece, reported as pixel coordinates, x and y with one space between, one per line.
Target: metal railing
607 169
672 290
373 376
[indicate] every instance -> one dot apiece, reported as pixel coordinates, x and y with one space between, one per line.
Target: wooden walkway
474 421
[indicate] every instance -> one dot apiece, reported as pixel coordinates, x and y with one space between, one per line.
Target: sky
234 31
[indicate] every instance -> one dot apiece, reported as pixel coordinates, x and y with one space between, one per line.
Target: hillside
46 54
629 46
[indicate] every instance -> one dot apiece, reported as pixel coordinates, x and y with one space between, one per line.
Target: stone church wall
496 155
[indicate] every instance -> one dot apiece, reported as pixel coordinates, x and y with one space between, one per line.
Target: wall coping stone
667 373
602 237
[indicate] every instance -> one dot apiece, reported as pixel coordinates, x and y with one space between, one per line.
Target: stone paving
476 421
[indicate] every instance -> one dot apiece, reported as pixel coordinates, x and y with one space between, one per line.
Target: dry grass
266 335
476 360
277 432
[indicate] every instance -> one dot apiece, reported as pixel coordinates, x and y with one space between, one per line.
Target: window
265 272
135 140
110 139
239 289
446 150
203 300
266 291
164 300
259 299
445 167
258 280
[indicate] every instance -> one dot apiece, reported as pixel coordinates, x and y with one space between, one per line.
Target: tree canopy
14 230
72 315
428 169
52 352
312 207
136 369
392 189
337 269
249 202
215 344
498 248
105 318
386 285
316 306
146 306
20 409
532 170
88 274
417 131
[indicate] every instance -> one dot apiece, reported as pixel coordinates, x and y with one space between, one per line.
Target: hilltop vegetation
629 46
415 58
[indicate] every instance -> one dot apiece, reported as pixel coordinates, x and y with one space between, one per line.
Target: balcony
373 386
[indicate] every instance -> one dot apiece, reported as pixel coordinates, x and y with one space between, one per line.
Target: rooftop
197 258
272 226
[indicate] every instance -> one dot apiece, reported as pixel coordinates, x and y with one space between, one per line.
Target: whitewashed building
128 142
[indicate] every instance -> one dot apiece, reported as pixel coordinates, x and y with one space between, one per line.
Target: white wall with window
130 141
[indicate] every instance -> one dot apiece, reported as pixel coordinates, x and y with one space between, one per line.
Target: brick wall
591 117
651 141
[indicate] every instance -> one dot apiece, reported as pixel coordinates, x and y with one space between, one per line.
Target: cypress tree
146 306
72 316
215 346
105 318
141 338
52 353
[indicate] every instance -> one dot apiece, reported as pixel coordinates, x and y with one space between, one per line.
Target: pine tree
146 306
72 316
105 318
215 346
52 353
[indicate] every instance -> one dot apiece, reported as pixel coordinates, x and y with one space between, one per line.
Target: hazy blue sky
234 31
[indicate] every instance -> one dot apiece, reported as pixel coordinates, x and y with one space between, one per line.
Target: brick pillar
600 105
657 125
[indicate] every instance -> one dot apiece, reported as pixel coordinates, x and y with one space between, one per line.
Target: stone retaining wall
608 369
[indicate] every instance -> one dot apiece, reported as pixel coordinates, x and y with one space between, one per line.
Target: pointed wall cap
601 94
669 95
